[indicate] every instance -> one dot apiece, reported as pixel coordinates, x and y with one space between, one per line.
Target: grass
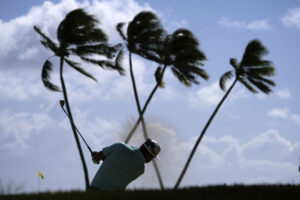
222 192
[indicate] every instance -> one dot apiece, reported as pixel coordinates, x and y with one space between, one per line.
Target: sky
254 138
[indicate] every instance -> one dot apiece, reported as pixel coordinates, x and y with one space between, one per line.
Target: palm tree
78 35
180 52
251 72
144 36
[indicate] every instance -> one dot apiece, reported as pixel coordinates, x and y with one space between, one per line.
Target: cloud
211 95
123 86
21 87
296 118
22 49
284 93
266 146
284 113
292 18
22 55
123 11
276 112
218 160
252 25
17 128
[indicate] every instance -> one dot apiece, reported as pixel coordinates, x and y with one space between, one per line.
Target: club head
62 103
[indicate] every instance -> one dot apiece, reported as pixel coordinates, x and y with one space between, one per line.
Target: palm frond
260 85
158 77
183 79
253 53
262 79
200 72
100 49
184 39
261 71
79 28
119 29
252 71
46 42
75 66
145 35
224 78
246 83
105 64
149 55
182 52
47 69
118 63
234 63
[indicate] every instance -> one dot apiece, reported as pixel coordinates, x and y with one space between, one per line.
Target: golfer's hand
95 157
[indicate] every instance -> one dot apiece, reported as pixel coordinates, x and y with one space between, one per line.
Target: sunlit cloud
284 113
296 118
292 18
252 25
281 113
211 95
284 93
18 128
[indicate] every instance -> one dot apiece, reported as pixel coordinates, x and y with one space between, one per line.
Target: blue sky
253 139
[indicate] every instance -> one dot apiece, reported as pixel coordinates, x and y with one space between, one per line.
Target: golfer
122 164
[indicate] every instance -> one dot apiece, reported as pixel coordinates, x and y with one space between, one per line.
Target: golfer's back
123 164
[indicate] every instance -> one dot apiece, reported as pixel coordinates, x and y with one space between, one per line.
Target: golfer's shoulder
121 145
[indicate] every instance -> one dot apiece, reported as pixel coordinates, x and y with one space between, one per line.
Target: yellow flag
41 175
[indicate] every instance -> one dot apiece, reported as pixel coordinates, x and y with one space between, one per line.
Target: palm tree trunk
142 119
144 108
202 134
64 89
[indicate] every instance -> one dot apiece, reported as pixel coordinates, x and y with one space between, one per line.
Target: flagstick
38 187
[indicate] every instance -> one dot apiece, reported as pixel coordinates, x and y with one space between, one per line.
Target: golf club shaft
78 131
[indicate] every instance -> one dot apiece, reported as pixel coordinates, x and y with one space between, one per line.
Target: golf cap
152 147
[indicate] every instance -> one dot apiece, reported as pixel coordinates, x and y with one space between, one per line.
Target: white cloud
284 113
23 51
22 48
18 87
266 146
276 112
292 18
211 95
25 44
284 93
123 86
252 25
29 54
173 25
17 128
218 160
123 11
296 118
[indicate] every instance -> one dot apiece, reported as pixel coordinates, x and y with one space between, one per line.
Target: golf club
62 103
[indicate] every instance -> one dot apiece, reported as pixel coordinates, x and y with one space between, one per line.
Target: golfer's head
150 149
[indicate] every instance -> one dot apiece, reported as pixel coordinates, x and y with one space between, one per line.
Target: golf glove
94 158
